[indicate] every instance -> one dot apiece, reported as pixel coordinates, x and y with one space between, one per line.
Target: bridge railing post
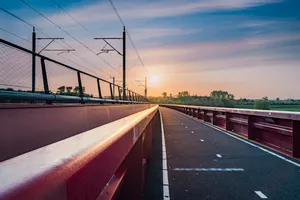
80 84
119 92
111 91
228 126
214 118
296 138
99 89
198 113
251 130
45 79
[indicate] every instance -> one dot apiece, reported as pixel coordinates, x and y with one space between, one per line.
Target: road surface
205 163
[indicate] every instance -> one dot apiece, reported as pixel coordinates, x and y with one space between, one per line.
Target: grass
292 108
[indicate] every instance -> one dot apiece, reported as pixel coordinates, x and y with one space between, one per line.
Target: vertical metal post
146 89
80 85
296 138
228 123
129 95
111 91
120 98
114 86
214 118
124 63
33 59
99 89
250 134
44 73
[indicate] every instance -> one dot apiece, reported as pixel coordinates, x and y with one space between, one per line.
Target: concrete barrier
106 162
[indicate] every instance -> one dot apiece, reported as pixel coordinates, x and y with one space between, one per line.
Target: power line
73 18
66 33
31 25
15 35
131 41
80 24
15 16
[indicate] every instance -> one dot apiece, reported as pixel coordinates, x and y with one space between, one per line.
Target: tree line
219 98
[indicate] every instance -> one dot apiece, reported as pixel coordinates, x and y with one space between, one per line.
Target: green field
293 108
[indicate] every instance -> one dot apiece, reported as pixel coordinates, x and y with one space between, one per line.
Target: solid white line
166 193
218 155
164 155
202 140
164 164
165 177
245 141
210 169
261 195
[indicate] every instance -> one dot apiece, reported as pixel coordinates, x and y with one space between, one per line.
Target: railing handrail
62 159
64 65
263 113
57 98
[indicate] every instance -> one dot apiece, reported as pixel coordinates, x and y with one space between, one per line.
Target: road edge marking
166 191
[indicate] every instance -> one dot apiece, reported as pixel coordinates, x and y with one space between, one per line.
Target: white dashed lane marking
219 155
202 140
210 169
261 195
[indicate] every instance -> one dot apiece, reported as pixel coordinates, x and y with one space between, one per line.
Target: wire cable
67 33
15 35
130 39
38 29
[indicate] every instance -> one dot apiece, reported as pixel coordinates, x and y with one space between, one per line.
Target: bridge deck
204 163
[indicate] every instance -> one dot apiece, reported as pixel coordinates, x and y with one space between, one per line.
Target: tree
69 89
171 95
76 90
219 94
183 94
164 94
262 104
61 89
230 96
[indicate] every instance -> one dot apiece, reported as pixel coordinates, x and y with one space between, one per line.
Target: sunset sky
250 48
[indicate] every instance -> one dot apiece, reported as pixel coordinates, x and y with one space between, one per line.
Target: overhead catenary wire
41 14
42 32
127 32
15 35
80 24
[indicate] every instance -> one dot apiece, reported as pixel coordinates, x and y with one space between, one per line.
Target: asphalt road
204 163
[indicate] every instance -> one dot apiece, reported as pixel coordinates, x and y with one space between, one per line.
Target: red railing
106 162
275 129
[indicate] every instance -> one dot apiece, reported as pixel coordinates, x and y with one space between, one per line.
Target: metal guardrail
48 75
107 162
276 129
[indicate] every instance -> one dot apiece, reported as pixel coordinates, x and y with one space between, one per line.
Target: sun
154 79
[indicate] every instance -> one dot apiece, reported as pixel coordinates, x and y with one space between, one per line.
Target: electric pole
33 59
143 85
123 54
146 88
124 62
113 85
